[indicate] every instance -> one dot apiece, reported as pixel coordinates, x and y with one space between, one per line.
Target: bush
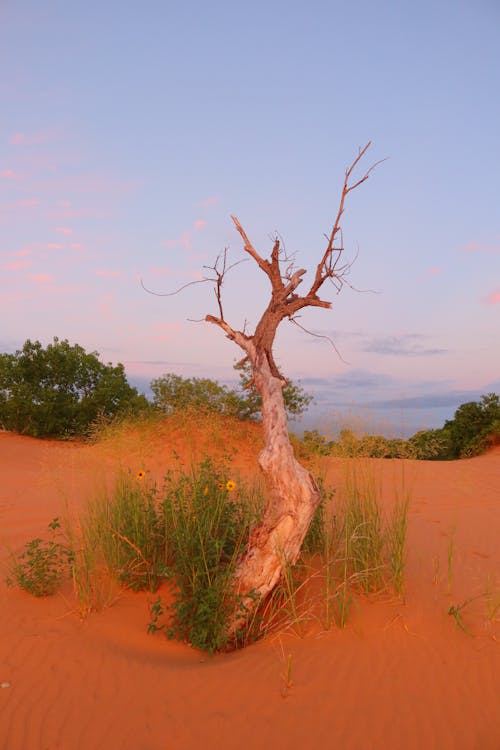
430 445
40 568
61 390
173 392
473 425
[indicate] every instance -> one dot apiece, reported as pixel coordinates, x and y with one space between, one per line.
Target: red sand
400 675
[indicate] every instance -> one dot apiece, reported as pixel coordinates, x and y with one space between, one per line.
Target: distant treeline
473 429
62 391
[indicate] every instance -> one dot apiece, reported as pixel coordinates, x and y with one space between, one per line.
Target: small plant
286 675
156 611
206 523
40 568
396 539
456 612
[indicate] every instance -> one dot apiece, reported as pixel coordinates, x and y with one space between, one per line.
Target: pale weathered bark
293 492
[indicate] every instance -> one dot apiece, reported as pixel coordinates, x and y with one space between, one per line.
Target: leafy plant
61 390
172 392
41 566
207 527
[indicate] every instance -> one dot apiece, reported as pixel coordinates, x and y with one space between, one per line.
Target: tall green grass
190 531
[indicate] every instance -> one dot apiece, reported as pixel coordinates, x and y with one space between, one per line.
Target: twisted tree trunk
293 493
293 498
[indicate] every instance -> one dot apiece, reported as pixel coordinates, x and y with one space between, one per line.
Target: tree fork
293 493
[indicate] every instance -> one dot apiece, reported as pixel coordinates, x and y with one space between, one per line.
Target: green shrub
207 523
40 568
61 390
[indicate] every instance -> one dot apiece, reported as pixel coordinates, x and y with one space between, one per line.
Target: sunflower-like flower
140 475
230 485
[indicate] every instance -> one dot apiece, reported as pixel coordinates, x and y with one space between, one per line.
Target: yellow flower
140 474
230 486
205 491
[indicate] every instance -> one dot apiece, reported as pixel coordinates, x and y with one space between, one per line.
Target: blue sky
130 132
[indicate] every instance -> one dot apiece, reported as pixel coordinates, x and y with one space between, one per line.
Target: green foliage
430 445
207 527
296 399
473 425
349 445
61 390
173 392
192 529
41 566
125 529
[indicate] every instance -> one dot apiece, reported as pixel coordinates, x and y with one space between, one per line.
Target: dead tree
293 492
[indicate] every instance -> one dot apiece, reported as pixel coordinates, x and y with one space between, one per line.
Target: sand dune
400 675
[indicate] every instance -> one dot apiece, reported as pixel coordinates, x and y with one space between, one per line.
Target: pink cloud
9 174
434 271
64 230
493 298
22 139
199 224
64 204
23 253
41 278
76 246
208 202
54 246
489 245
186 240
18 265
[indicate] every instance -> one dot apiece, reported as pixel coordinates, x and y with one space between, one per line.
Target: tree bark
293 493
293 499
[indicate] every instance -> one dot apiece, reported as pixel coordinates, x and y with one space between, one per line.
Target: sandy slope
399 676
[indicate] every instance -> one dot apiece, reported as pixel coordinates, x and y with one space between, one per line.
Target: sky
130 132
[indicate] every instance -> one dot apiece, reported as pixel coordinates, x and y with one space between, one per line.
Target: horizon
129 138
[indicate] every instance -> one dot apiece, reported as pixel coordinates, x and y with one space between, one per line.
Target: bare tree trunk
293 493
293 499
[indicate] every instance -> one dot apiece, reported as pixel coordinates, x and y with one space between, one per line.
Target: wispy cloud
487 245
207 202
9 174
64 230
493 298
18 265
54 246
199 224
403 345
41 278
32 139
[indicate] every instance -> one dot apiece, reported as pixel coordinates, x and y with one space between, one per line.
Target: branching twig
319 336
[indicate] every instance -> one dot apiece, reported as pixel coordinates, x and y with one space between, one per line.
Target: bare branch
171 294
319 336
327 267
249 248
